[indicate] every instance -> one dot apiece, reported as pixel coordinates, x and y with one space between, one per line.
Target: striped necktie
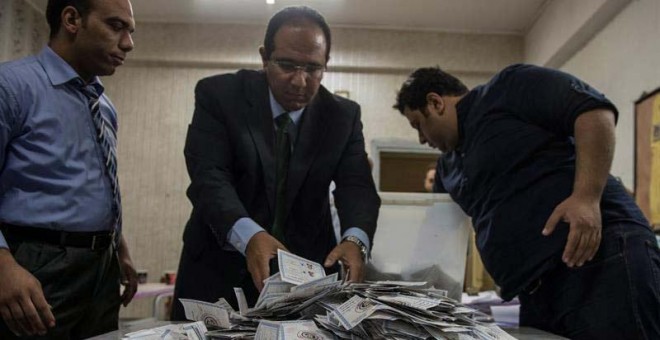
282 155
106 136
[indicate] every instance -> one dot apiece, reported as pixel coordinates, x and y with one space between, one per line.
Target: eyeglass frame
288 66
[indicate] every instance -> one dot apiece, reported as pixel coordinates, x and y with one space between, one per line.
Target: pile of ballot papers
301 302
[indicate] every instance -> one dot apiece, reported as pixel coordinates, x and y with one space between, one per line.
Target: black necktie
282 155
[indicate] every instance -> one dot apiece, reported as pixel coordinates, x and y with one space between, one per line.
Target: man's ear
262 53
71 20
435 103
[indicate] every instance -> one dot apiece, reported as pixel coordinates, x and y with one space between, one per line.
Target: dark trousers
81 285
209 276
614 296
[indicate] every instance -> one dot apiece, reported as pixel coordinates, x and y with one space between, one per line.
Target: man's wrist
6 256
363 247
242 232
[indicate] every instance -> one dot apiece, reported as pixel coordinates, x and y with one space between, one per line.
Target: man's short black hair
55 8
293 14
424 81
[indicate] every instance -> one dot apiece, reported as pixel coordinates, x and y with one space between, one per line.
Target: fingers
350 256
24 327
9 321
260 249
278 245
24 318
571 246
129 280
22 303
595 245
356 272
346 273
333 257
587 248
125 294
129 291
584 230
260 274
43 308
354 276
582 244
582 250
32 318
550 225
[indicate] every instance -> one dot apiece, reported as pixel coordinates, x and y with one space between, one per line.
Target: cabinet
647 156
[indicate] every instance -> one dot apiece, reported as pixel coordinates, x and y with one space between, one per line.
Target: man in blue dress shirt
61 253
527 156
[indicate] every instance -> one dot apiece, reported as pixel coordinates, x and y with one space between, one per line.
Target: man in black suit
249 198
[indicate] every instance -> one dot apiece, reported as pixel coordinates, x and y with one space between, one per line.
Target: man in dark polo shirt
527 156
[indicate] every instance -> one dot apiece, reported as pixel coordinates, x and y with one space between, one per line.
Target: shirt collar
463 108
60 72
277 109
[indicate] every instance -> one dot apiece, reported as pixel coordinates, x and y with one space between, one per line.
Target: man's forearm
594 140
122 248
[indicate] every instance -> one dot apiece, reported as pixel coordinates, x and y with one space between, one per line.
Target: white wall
22 29
565 26
623 61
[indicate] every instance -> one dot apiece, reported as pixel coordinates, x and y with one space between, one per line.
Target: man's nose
126 42
299 78
422 139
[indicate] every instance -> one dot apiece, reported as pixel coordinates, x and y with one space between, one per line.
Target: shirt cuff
240 234
3 242
359 233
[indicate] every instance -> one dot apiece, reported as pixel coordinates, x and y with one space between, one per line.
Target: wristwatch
363 247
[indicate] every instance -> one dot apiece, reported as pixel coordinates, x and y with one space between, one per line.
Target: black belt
94 240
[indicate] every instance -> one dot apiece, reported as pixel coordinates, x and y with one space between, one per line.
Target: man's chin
295 106
107 71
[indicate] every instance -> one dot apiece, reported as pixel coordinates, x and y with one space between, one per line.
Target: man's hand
584 235
22 303
350 255
129 277
260 249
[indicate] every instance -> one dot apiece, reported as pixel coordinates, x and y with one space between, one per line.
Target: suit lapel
260 124
311 135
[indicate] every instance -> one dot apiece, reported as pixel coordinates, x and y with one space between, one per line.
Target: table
153 289
522 333
158 290
132 326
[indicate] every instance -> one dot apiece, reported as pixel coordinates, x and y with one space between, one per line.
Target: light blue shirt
52 170
243 230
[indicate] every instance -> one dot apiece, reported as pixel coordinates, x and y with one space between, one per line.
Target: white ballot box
421 237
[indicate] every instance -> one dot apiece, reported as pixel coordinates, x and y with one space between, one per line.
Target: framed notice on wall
647 156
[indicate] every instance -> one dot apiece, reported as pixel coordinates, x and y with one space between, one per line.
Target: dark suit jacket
230 157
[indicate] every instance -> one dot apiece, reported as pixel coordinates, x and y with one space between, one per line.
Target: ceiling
466 16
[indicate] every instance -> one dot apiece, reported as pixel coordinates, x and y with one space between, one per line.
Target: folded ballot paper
301 302
191 331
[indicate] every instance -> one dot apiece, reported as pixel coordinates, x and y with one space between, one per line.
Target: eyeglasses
311 70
